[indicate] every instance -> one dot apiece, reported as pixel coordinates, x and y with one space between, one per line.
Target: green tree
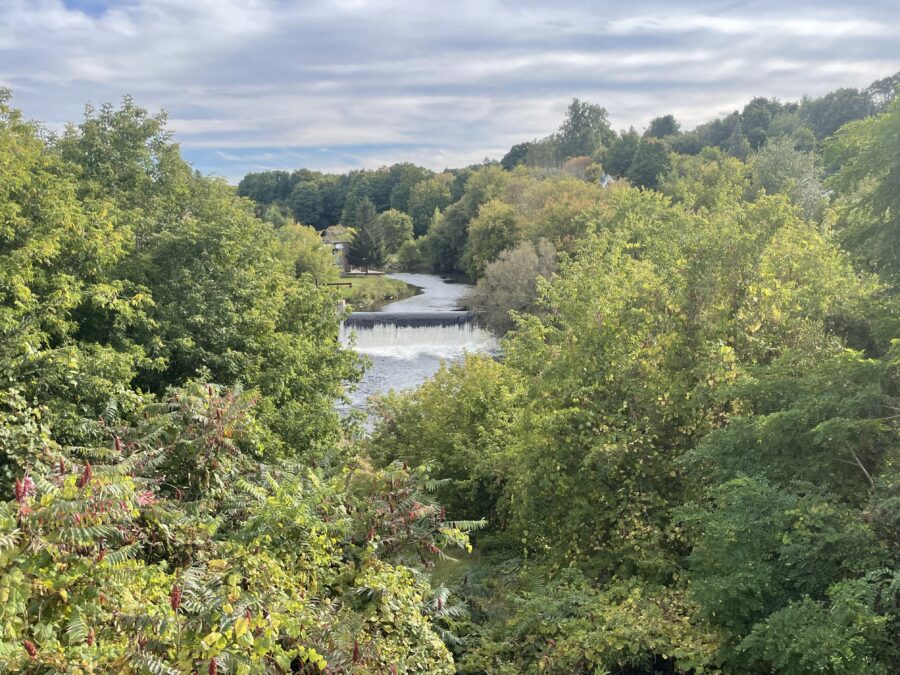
510 284
661 127
651 160
779 167
516 156
397 228
404 177
459 423
366 247
495 229
829 113
306 204
618 158
867 154
426 196
585 130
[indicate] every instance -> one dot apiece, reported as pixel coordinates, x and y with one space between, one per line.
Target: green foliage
397 228
492 231
779 167
867 152
371 292
510 285
459 424
306 203
366 247
426 197
660 127
651 160
567 625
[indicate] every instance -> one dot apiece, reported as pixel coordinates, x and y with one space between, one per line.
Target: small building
339 255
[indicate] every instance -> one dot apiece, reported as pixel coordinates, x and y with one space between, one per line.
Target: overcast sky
339 84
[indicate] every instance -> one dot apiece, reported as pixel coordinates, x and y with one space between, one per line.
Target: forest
686 458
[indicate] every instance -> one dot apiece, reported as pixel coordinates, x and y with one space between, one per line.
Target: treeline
689 453
179 495
419 219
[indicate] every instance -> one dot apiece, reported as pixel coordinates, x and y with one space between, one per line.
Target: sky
333 85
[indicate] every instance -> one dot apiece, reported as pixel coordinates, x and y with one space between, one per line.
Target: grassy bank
371 292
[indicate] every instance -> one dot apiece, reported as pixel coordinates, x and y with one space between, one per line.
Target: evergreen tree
366 247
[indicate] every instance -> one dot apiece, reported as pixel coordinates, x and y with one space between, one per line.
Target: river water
403 356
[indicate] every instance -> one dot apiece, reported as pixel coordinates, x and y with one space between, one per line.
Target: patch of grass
370 293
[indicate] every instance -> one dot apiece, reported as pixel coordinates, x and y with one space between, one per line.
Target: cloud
252 84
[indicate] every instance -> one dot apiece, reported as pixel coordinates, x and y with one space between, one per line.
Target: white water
404 357
411 341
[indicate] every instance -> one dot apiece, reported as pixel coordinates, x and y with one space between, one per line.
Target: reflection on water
402 357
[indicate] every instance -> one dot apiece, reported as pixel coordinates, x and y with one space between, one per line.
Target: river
407 340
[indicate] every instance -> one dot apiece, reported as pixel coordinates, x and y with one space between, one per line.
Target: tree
304 248
357 191
445 244
459 423
426 196
510 284
868 154
651 160
585 129
882 92
495 229
404 177
756 118
829 113
397 228
516 156
366 247
306 204
778 167
660 127
618 158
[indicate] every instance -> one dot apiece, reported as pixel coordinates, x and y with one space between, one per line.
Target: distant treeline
585 144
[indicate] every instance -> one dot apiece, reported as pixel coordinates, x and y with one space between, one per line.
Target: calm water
403 357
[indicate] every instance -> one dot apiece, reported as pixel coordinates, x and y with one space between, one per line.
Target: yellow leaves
211 640
241 626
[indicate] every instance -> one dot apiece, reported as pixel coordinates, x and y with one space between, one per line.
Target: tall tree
585 130
426 196
306 204
660 127
366 247
651 160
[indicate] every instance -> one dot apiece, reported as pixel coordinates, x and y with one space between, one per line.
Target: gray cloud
256 83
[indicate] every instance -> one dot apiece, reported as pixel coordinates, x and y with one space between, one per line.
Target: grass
370 293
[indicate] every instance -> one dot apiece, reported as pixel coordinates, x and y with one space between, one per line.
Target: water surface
402 357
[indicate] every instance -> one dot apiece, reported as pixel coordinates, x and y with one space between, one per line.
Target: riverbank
369 293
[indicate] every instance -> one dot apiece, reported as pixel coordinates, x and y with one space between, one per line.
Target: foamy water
403 357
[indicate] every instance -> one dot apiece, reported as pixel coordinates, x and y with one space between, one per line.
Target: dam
406 341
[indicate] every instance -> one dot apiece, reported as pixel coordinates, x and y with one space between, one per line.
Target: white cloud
438 83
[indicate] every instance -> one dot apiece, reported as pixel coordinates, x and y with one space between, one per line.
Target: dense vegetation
687 457
179 494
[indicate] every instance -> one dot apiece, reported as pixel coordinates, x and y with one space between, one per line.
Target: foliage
651 160
867 152
397 228
458 424
492 231
510 284
779 167
371 292
367 247
426 197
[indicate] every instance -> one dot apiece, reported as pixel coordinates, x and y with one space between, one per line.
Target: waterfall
398 341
